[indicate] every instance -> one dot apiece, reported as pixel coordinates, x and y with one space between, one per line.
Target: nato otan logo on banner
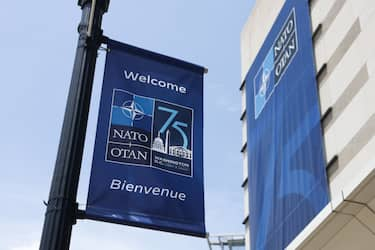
147 167
275 63
148 132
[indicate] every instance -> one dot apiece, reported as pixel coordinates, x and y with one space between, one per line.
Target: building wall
345 56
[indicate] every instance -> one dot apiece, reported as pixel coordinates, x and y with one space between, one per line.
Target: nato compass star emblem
265 82
133 111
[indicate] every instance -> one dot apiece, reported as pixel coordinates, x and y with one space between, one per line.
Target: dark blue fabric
287 178
147 98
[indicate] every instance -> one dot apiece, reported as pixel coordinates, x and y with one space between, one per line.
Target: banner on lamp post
147 168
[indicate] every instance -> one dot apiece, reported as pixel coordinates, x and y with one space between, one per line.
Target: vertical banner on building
287 177
147 168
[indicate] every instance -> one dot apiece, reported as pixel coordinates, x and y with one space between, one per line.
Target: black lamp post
62 207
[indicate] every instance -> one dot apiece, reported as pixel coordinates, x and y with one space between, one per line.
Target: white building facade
344 45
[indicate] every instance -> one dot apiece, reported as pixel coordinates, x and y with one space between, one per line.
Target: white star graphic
133 110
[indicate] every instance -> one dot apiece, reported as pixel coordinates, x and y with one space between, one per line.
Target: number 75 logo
177 125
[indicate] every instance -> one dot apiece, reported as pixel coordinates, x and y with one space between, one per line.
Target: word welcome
148 79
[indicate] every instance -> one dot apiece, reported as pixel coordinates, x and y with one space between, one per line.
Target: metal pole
62 208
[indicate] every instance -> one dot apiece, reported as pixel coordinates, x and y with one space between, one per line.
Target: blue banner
287 177
147 167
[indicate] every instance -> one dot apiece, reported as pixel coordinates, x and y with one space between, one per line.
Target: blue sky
38 40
